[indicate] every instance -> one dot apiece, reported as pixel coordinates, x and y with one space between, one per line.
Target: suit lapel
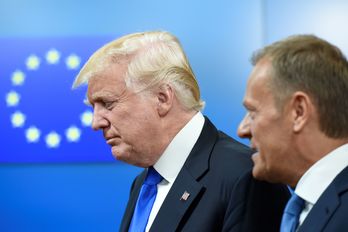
177 201
321 211
326 205
198 161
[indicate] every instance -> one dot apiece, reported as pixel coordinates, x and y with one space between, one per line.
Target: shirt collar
175 155
318 177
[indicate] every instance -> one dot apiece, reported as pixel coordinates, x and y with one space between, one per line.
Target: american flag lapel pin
184 196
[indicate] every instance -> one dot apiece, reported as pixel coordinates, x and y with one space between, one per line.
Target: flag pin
184 196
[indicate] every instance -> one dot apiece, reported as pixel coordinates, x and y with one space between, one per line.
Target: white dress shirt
318 177
172 160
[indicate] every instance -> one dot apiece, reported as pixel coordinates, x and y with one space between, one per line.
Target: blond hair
154 58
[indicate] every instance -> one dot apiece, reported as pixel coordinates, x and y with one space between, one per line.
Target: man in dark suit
147 102
297 120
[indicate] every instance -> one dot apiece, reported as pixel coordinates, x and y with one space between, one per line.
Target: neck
169 127
172 125
311 150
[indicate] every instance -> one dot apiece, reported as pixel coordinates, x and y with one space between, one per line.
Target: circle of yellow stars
32 133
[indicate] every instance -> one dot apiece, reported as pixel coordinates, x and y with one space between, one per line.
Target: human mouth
256 153
252 146
255 157
109 141
112 141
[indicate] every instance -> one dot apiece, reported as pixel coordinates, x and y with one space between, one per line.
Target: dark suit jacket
223 194
330 213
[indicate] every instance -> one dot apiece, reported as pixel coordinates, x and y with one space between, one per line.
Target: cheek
135 124
264 132
273 156
257 132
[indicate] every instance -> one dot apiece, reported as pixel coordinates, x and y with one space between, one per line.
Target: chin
126 158
266 175
260 173
257 174
117 155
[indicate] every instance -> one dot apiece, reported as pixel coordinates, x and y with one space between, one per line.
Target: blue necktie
145 201
291 214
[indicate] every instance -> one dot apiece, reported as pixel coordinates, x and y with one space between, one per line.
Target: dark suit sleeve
255 206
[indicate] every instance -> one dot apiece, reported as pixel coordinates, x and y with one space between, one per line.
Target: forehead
258 86
110 80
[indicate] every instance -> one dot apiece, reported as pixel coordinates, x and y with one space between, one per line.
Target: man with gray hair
297 120
146 100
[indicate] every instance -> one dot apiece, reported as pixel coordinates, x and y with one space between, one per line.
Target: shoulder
262 203
330 212
230 156
227 145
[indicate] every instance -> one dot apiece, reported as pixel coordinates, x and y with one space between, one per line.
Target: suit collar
313 183
198 160
176 203
326 205
177 152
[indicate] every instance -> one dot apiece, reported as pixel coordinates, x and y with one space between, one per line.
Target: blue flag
41 118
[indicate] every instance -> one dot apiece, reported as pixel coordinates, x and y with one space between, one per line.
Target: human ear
165 96
301 110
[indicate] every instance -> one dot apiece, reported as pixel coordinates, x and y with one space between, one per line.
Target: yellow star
73 61
52 56
33 62
18 78
32 134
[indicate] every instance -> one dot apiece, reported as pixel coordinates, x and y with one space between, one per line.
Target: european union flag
41 118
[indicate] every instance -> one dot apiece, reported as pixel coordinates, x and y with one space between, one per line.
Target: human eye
251 111
251 115
109 105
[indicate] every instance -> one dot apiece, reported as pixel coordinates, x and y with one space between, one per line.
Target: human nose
99 121
244 127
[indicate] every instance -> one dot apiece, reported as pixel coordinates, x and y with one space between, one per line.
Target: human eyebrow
102 96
